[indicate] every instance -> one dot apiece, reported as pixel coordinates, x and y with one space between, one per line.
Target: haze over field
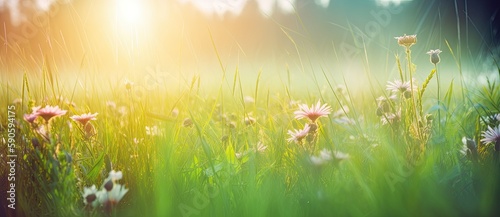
184 35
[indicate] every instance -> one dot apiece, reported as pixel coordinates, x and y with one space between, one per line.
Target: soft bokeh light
129 12
18 9
181 36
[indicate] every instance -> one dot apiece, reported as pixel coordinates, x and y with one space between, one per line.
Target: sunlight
129 12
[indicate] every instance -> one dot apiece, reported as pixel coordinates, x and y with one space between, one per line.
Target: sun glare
129 12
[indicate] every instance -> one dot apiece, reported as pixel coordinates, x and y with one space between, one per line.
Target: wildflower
43 132
128 84
250 120
261 147
232 116
340 156
391 118
187 122
407 40
60 99
317 161
84 118
324 157
384 104
17 101
91 196
49 112
137 140
314 112
292 103
111 198
70 104
341 89
174 113
325 154
345 120
111 105
249 100
434 56
110 182
341 112
490 120
298 135
114 175
30 118
232 125
402 87
492 135
469 148
122 110
239 155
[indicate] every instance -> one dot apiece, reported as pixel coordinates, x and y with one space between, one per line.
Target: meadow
216 150
424 142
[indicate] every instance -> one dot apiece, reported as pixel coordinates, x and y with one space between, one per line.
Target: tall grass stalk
438 98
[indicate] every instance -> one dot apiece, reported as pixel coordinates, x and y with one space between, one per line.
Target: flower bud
434 56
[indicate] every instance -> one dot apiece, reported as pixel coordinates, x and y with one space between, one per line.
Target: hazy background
181 37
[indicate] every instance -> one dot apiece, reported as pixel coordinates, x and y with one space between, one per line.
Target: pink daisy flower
492 135
298 135
84 118
30 118
49 112
314 112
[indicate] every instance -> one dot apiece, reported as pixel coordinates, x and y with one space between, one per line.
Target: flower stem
408 56
438 98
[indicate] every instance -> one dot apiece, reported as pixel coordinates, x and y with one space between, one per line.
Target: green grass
194 170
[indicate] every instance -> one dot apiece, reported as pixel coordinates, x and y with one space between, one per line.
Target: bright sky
17 8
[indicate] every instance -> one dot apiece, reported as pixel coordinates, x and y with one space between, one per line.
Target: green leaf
94 172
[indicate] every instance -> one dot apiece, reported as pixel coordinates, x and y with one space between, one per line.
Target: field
299 140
